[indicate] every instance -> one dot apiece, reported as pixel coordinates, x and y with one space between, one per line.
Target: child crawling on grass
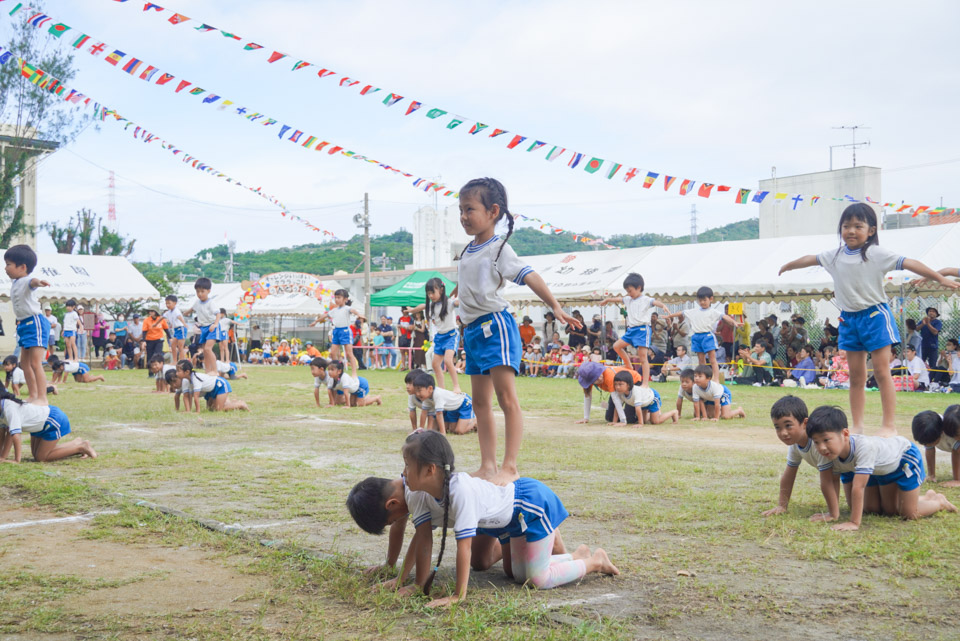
215 389
80 370
523 515
46 425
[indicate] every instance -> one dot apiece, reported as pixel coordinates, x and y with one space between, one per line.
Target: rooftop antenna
853 145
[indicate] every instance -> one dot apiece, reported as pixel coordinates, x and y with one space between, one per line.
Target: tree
35 119
81 230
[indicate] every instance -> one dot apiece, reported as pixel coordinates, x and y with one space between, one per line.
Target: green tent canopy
409 291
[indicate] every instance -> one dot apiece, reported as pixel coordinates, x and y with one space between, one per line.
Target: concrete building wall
779 218
438 237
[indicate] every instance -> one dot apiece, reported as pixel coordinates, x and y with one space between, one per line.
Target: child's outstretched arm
787 479
856 503
358 314
464 548
418 308
536 283
36 282
922 270
608 301
730 320
319 319
800 263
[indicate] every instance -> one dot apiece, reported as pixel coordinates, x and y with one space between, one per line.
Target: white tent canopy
744 269
88 279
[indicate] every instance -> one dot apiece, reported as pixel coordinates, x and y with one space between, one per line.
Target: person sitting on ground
805 373
711 399
838 377
917 369
643 399
566 362
880 474
448 409
592 375
672 368
760 370
930 431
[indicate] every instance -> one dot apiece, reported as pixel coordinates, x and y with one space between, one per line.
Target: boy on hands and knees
934 432
710 398
880 475
33 328
789 415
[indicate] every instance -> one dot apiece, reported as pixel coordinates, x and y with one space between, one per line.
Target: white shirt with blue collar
481 275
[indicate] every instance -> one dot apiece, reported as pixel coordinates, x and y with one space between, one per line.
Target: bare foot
505 475
456 390
674 417
581 421
582 552
377 400
856 429
603 563
886 432
89 452
945 504
244 406
485 472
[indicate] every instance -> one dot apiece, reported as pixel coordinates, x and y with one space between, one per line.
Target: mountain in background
395 251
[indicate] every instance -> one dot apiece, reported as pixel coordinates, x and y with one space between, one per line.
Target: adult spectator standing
153 331
404 339
930 328
120 330
726 339
577 336
913 337
256 338
388 333
595 332
682 333
658 341
527 331
549 326
54 328
135 332
81 335
420 333
98 335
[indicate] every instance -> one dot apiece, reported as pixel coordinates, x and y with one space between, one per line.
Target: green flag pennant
592 166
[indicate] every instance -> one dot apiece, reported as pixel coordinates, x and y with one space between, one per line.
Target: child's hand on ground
774 511
445 602
581 421
408 590
376 570
388 585
614 423
846 527
822 517
715 419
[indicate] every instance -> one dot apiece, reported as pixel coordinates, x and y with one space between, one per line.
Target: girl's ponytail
7 395
443 537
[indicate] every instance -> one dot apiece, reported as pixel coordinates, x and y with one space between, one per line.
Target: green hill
395 251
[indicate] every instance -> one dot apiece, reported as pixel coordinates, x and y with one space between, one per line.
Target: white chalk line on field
330 420
574 602
65 519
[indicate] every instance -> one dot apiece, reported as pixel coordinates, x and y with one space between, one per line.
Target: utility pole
366 254
231 246
693 224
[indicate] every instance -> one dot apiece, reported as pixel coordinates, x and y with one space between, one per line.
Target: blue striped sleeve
825 466
900 262
956 446
791 464
465 534
421 519
522 276
863 470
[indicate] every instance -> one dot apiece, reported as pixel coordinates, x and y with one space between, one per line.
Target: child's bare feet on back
602 563
505 475
486 472
885 431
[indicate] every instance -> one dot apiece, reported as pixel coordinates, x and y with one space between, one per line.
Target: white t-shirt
687 396
224 324
916 366
858 284
639 310
324 381
474 503
713 391
54 327
27 418
946 443
70 321
205 312
162 374
703 320
21 295
174 318
71 367
203 383
223 367
443 400
955 366
414 403
339 316
17 377
797 454
638 397
480 275
347 383
682 362
877 455
449 323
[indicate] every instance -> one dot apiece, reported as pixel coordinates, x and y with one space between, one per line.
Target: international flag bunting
276 55
148 73
536 145
780 196
79 42
871 200
177 18
723 188
5 56
555 153
667 181
368 89
391 99
300 65
575 160
132 65
742 196
592 166
349 82
229 35
796 201
323 73
650 179
903 208
164 79
477 128
309 141
435 113
613 170
498 132
183 85
918 211
115 57
205 28
147 6
687 186
453 124
211 98
630 175
284 129
759 196
516 141
196 91
16 8
252 46
97 49
39 19
295 136
705 190
813 200
59 29
413 106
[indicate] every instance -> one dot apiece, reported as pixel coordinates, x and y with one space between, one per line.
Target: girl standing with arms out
858 268
339 315
446 338
490 336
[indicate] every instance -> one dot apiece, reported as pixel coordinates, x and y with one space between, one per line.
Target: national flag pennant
164 79
454 123
650 179
39 19
759 196
813 200
196 91
79 42
228 35
575 160
59 29
390 100
918 211
115 57
889 204
16 8
177 18
183 85
593 165
252 46
349 82
780 196
871 200
555 153
704 191
435 113
132 65
498 132
300 65
903 208
5 56
276 55
323 73
537 144
205 28
97 49
613 170
148 73
667 182
723 188
211 98
413 106
630 175
513 143
367 89
477 128
796 201
742 196
851 199
687 186
147 6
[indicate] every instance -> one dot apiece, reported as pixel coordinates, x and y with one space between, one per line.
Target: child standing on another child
703 322
639 313
33 328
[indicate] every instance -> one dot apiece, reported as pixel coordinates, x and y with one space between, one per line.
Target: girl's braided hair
432 448
491 192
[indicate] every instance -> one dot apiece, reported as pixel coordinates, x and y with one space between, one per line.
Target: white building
779 217
438 237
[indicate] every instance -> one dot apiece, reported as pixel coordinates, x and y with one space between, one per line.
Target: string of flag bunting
553 229
590 164
47 82
137 67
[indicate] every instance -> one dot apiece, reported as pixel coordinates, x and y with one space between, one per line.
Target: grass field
676 506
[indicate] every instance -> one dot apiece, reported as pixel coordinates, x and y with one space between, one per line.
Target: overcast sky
715 92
